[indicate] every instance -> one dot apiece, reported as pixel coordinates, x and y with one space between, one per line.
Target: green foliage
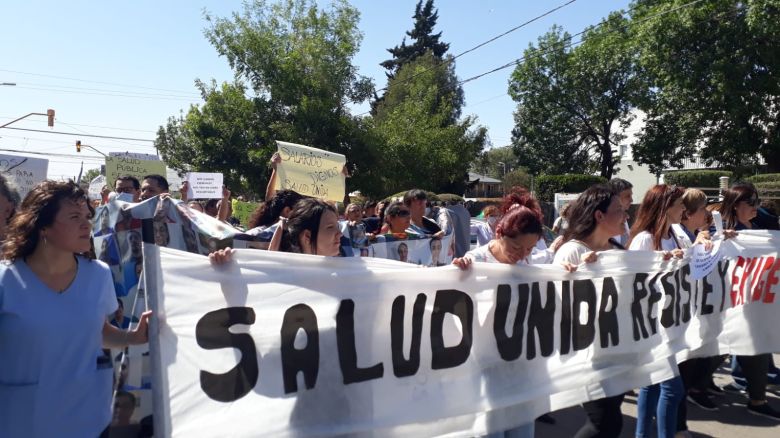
449 197
515 178
548 185
713 89
696 178
424 145
765 177
573 103
400 195
425 40
90 174
495 162
294 61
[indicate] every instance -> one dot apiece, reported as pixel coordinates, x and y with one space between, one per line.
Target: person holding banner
128 184
152 186
661 207
416 201
263 222
595 216
395 218
54 303
312 228
738 209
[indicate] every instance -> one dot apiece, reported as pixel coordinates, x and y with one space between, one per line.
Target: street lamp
503 164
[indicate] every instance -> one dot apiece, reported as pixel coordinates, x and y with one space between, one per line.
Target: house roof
482 178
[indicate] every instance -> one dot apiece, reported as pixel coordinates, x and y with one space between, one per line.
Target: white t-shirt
53 381
572 252
482 254
644 242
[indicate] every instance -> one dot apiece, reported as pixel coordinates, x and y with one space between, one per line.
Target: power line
71 143
132 96
539 52
80 157
104 90
91 81
93 126
80 135
538 17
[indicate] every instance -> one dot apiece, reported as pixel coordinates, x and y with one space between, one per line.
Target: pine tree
423 38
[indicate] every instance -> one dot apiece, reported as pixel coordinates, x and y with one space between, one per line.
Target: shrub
449 197
400 196
696 178
764 178
548 185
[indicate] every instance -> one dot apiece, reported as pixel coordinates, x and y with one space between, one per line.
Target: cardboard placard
23 172
310 171
204 185
120 165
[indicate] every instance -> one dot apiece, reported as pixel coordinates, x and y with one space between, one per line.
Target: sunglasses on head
402 213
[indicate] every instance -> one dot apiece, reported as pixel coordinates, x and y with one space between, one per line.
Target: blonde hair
693 199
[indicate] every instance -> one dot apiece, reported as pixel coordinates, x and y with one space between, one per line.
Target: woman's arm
114 337
270 191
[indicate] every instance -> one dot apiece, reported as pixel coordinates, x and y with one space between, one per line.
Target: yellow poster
310 171
126 165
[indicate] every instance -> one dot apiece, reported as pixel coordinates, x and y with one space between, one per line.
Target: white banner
23 172
295 345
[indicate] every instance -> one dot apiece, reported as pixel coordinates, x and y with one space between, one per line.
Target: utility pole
49 115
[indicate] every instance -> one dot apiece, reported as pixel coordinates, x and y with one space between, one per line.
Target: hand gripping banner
296 345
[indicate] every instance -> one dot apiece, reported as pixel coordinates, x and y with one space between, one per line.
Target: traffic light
50 116
78 145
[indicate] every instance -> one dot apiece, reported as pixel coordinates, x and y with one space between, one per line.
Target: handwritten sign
204 185
243 210
703 262
136 155
310 171
126 165
96 187
23 172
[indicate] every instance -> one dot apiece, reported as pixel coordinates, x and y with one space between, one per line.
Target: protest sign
96 187
310 171
204 185
243 210
563 199
117 166
136 155
442 352
23 172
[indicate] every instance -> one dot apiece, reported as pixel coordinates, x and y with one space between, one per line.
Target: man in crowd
128 184
416 200
152 186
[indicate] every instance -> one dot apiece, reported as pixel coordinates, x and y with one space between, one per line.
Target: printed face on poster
23 172
128 165
310 172
204 185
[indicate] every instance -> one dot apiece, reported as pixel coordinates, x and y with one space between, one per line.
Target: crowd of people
58 382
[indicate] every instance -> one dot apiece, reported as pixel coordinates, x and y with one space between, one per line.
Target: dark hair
738 192
391 209
159 179
128 395
581 214
521 215
134 180
305 215
414 194
618 185
211 203
269 211
38 211
7 190
651 216
369 204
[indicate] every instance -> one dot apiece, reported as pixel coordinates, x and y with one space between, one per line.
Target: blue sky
121 69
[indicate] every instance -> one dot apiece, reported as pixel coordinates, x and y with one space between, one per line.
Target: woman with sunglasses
738 209
595 216
661 207
395 218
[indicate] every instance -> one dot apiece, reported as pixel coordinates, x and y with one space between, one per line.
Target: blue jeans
660 400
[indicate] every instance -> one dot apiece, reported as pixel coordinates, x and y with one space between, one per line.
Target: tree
495 162
90 174
574 103
425 40
713 88
295 62
424 144
226 134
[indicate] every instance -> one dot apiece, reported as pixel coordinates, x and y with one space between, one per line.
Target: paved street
731 420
